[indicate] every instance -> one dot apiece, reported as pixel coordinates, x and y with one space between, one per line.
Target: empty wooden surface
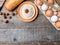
32 43
39 30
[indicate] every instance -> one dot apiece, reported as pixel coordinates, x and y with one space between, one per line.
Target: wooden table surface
39 30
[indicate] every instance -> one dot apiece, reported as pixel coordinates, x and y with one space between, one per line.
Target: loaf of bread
11 4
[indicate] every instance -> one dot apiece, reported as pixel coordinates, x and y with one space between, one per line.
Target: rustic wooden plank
39 30
32 43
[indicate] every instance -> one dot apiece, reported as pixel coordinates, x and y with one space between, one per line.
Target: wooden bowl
29 19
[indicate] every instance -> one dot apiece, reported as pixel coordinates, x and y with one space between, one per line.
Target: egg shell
49 12
44 7
50 2
57 24
56 5
58 14
39 2
54 18
54 10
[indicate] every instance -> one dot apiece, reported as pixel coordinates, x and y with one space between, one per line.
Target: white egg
44 7
54 10
54 18
56 5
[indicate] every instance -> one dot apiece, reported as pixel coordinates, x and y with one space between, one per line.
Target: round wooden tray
31 19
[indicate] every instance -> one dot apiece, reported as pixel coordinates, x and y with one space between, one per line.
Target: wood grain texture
32 43
39 30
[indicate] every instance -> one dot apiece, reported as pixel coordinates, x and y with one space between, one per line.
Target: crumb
10 17
7 14
13 14
1 13
7 21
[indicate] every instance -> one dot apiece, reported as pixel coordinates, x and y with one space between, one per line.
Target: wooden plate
35 8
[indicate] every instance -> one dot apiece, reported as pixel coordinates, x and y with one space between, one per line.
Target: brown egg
57 24
49 12
58 14
39 2
50 2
